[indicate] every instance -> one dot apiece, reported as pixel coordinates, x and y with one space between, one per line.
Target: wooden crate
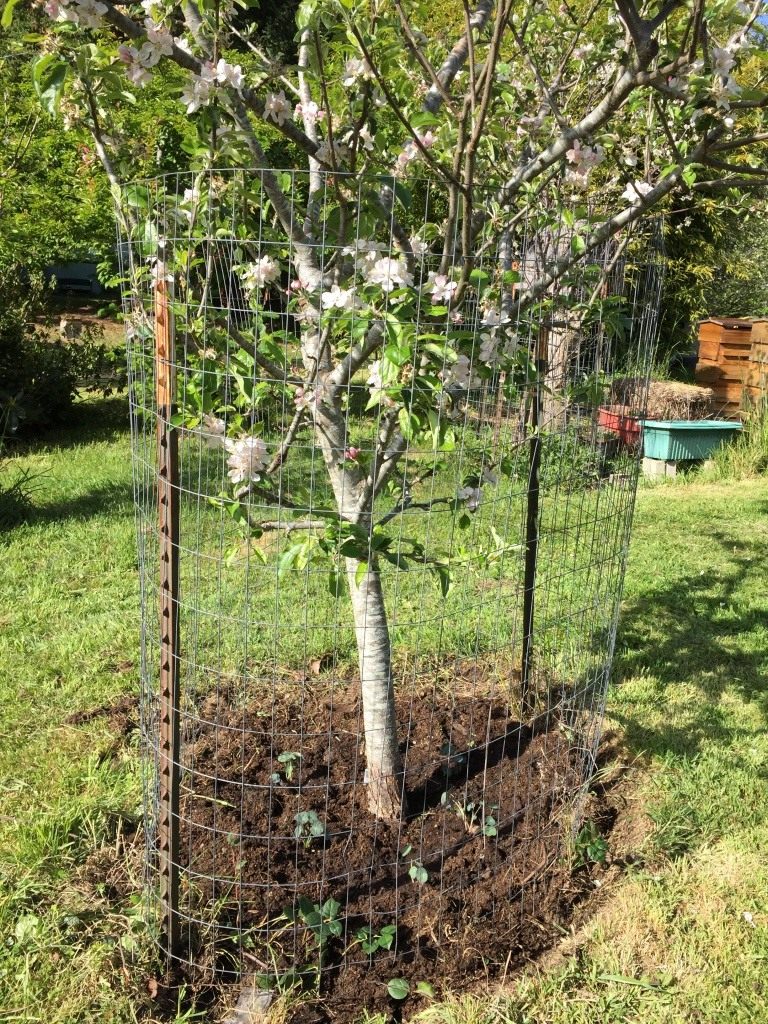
757 375
725 352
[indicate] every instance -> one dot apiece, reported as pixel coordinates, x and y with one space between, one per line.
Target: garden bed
475 881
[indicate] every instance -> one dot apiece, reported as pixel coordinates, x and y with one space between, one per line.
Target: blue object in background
674 440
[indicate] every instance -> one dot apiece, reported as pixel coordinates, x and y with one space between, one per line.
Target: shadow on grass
24 497
695 631
112 499
89 421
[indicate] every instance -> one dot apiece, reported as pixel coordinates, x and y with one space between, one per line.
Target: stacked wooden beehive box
757 376
733 361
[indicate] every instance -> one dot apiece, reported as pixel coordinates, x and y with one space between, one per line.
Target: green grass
671 942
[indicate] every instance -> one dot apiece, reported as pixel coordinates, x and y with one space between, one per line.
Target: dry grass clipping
667 400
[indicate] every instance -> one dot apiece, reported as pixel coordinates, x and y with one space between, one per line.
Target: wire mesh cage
382 539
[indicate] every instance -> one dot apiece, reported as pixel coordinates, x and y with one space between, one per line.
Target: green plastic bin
683 439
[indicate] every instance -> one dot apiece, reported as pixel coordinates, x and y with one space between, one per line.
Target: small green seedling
589 846
289 759
308 827
323 924
398 988
416 871
475 820
371 941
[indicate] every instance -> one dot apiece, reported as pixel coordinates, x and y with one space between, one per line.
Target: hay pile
667 400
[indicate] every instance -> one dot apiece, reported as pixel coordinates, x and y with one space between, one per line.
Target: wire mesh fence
382 540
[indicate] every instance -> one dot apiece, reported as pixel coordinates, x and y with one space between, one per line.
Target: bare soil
495 894
491 904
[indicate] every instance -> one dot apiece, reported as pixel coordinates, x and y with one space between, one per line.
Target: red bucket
616 418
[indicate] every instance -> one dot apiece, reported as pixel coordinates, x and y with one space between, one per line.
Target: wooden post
168 513
528 701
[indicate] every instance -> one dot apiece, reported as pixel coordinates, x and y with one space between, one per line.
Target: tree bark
374 651
385 779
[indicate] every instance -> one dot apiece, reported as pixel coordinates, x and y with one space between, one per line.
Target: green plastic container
683 439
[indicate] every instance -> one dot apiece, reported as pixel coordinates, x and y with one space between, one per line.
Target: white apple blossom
459 373
419 247
340 152
722 61
493 318
390 273
354 69
230 74
375 383
158 37
724 91
213 429
365 138
85 13
91 13
636 190
311 111
442 287
277 107
366 252
584 159
248 458
411 151
197 91
339 298
135 71
55 9
258 275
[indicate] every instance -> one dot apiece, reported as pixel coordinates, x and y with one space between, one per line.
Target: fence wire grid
454 478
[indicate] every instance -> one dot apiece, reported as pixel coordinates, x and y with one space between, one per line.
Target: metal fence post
168 513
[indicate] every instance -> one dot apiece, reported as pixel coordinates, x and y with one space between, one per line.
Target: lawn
681 933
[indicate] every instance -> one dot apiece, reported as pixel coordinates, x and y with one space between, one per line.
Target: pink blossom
442 287
309 111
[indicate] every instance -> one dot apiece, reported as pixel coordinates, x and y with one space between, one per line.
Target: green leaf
444 575
331 908
7 18
336 581
48 77
408 422
362 569
419 873
423 988
398 988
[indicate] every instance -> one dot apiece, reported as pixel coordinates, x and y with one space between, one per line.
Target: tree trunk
385 780
382 756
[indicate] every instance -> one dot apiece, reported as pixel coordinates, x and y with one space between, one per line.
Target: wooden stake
528 697
168 512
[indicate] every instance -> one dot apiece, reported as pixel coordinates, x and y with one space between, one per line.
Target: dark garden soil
474 877
499 902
